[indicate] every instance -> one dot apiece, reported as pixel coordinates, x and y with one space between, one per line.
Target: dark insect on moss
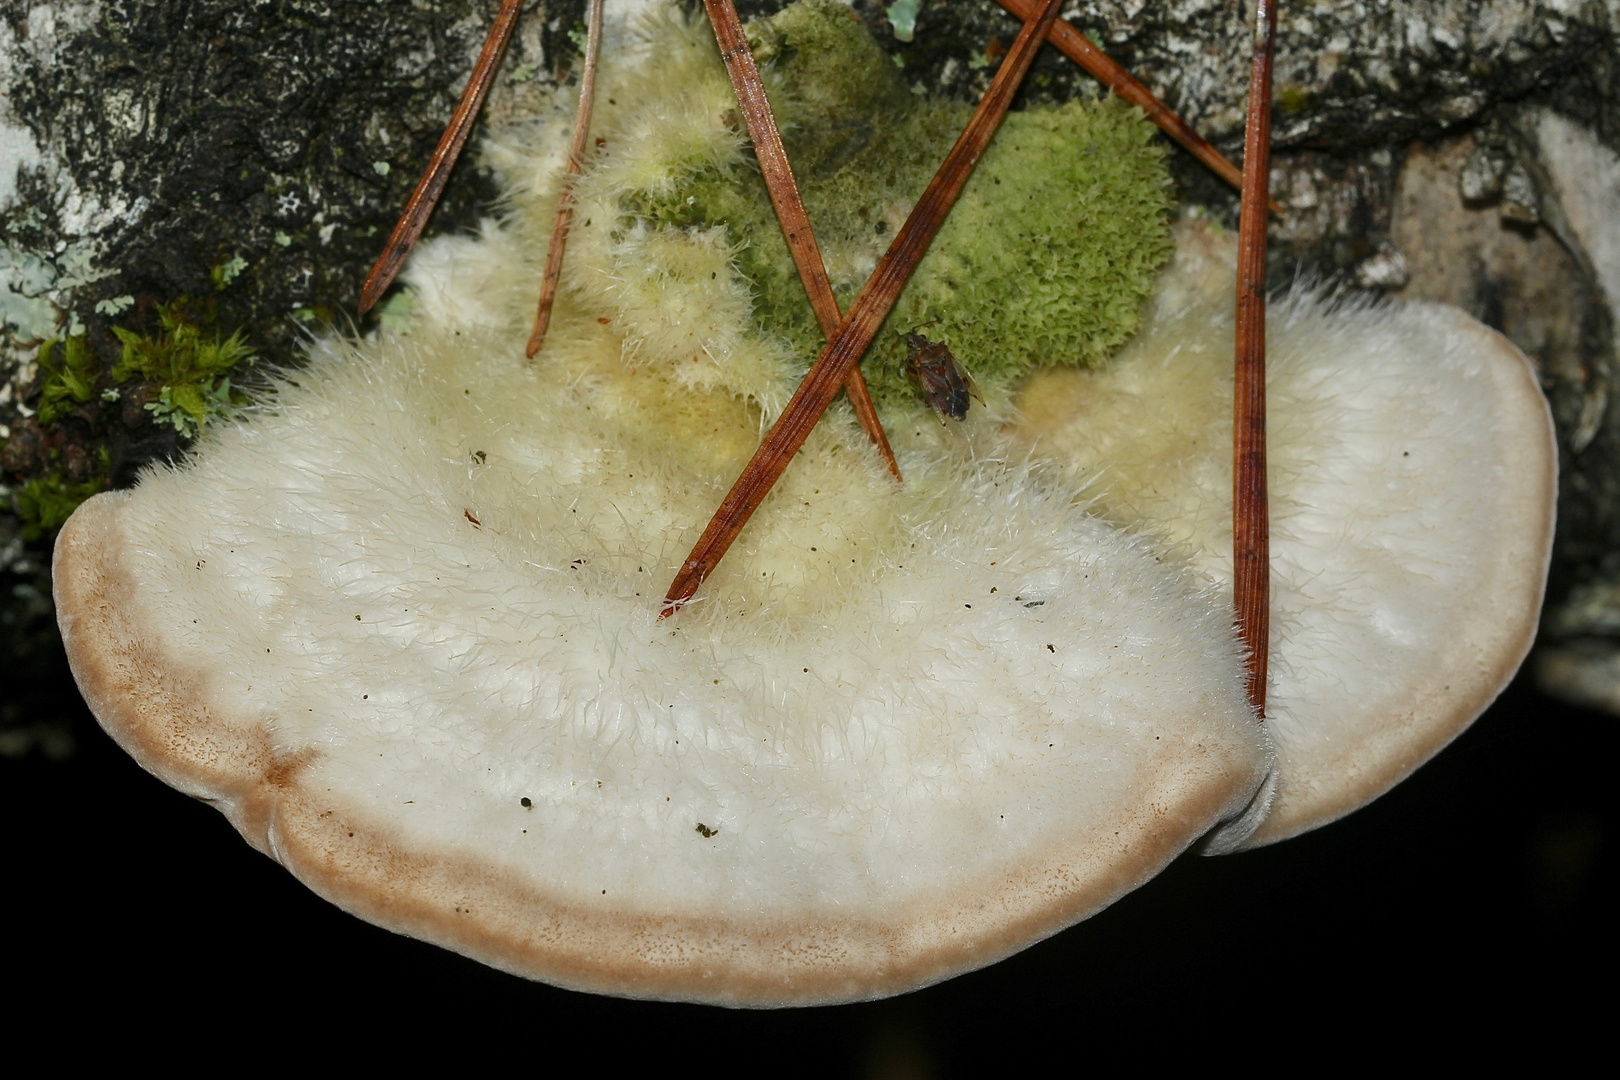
944 385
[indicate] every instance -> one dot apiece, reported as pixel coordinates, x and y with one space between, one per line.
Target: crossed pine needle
850 333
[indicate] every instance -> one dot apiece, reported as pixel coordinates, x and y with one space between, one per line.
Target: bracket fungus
400 623
1413 476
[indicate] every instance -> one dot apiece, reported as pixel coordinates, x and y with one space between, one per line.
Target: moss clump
65 453
1293 99
1044 260
190 364
68 373
45 502
834 92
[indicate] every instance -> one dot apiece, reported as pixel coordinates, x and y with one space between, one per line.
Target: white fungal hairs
441 570
401 622
673 295
437 569
1411 482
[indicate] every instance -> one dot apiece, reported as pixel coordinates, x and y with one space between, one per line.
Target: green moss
1050 250
190 363
1293 98
44 503
832 89
1045 259
69 371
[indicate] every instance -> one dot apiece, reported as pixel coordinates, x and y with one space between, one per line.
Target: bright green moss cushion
1045 259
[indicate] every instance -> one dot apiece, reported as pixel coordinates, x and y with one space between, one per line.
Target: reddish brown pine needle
1076 47
779 181
565 197
873 304
431 186
1251 519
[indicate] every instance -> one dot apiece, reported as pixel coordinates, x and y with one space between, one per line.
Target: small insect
944 385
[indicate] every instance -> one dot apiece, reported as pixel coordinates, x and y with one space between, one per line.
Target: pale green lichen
26 280
36 287
902 15
227 272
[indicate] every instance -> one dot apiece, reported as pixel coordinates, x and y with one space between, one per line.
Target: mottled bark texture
249 156
252 156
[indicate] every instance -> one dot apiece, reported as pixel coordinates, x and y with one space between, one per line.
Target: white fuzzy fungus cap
402 630
1412 481
400 625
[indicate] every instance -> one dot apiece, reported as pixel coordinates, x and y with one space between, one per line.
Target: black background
1470 907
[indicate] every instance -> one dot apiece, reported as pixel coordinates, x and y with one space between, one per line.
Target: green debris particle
580 38
381 168
393 314
69 369
523 73
115 305
190 364
903 17
228 271
282 239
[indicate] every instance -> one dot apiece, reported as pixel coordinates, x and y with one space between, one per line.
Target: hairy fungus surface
400 624
1412 481
399 621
